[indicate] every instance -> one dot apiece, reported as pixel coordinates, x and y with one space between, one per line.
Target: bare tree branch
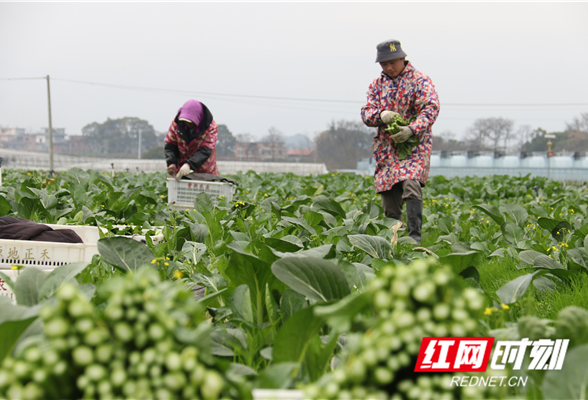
487 133
580 124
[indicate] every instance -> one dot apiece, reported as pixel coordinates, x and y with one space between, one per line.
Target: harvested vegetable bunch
411 302
404 148
150 341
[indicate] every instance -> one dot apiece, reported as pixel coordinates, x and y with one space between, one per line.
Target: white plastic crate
181 194
45 255
49 255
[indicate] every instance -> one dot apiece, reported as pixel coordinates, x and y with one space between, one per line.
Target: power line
206 93
21 79
221 95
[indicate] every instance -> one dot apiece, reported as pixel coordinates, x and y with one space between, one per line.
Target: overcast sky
267 64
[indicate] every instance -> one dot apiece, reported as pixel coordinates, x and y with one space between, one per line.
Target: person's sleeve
205 150
199 158
172 151
370 112
172 154
427 106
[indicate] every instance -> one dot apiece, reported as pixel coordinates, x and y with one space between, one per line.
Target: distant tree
487 133
226 142
119 136
572 141
343 144
273 136
538 141
476 139
446 141
244 138
274 140
524 134
579 124
247 146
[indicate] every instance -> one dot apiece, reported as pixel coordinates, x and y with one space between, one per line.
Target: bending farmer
401 90
191 140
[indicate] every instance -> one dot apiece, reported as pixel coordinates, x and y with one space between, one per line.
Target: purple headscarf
191 110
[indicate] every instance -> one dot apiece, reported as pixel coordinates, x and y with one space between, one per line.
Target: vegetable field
296 283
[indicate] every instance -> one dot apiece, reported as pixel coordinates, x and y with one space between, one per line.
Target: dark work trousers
393 199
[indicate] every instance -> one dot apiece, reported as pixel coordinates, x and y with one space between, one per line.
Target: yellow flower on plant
166 264
488 311
178 274
505 307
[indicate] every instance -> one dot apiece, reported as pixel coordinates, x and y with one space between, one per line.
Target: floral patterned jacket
187 150
411 94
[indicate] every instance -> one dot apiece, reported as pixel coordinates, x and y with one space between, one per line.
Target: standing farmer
191 140
401 90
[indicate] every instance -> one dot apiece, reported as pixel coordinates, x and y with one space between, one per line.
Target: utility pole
139 152
50 129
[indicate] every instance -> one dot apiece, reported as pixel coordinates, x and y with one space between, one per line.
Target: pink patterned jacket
187 150
411 93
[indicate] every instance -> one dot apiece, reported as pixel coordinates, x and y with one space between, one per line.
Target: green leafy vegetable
404 148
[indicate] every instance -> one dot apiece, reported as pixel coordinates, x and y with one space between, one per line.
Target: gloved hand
388 116
172 170
185 170
403 135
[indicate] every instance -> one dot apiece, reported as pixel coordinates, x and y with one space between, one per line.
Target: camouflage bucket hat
389 50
